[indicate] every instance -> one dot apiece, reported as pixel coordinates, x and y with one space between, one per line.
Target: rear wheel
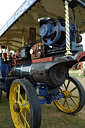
24 105
74 96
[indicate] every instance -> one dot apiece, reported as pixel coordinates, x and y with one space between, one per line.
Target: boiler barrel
51 74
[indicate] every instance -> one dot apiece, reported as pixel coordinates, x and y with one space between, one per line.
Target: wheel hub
67 94
16 107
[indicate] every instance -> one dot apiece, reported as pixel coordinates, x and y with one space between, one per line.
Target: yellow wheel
74 96
24 105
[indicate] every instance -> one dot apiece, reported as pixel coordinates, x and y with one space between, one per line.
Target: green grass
76 73
51 117
5 117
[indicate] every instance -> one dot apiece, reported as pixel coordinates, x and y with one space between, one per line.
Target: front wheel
74 96
24 105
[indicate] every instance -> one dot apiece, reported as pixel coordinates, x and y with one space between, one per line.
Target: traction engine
47 69
42 69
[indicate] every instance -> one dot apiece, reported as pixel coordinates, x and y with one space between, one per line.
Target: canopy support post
67 28
7 50
23 41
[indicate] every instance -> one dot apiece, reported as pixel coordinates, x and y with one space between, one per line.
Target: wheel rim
20 107
71 100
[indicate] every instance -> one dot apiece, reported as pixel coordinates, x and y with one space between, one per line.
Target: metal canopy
18 26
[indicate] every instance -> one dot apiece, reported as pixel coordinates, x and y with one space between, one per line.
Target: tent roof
27 16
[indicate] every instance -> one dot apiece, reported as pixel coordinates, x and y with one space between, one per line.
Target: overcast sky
7 9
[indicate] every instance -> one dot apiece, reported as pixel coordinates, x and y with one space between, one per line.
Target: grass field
51 116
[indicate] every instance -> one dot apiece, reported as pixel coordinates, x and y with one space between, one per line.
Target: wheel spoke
25 97
25 119
14 97
28 109
15 89
64 102
74 96
73 89
18 92
65 86
67 103
60 89
17 117
73 101
14 100
21 97
68 84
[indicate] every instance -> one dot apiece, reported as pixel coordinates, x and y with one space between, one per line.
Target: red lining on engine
48 59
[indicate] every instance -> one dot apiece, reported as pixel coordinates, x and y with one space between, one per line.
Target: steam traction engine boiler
44 69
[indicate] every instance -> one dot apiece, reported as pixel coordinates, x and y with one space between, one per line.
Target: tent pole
67 28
